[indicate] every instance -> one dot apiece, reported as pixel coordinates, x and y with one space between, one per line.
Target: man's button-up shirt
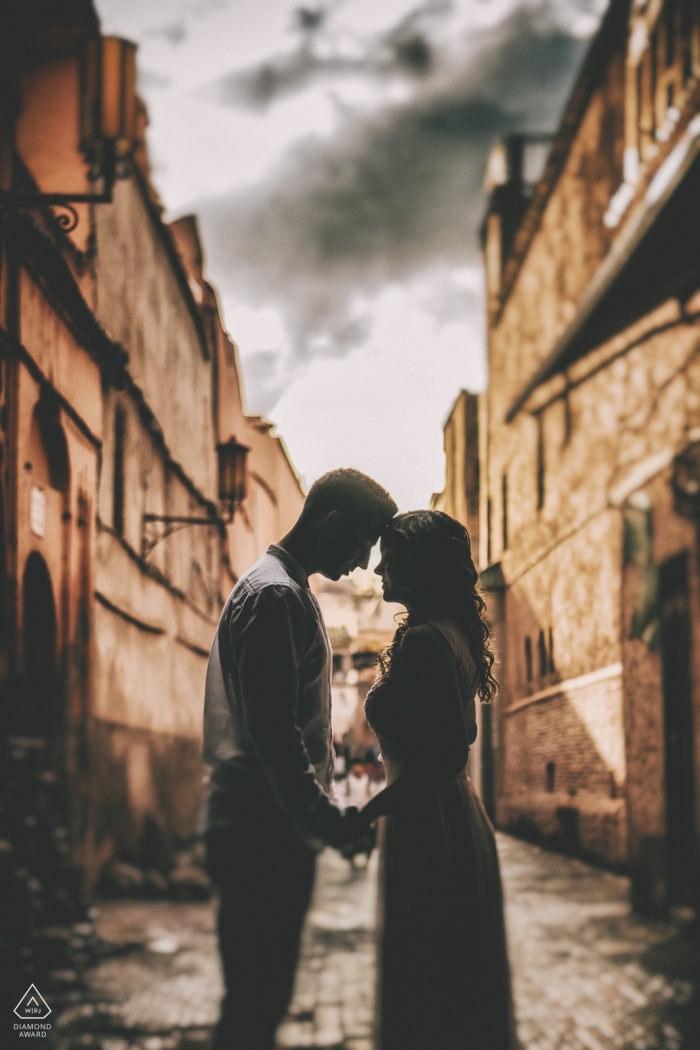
267 708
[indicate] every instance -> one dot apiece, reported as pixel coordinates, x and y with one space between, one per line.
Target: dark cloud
387 195
406 50
310 19
259 87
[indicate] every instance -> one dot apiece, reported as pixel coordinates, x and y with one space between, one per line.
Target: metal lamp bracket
171 523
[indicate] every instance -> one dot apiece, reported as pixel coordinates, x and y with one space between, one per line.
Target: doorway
37 714
681 848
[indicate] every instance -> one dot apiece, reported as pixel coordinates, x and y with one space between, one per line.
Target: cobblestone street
588 974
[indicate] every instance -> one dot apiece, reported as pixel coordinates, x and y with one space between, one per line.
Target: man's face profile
349 544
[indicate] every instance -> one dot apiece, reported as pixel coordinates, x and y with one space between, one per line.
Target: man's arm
267 646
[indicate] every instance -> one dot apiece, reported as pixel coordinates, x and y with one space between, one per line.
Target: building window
653 79
666 66
118 475
670 32
528 658
552 668
542 652
489 514
687 26
504 506
363 659
550 776
540 461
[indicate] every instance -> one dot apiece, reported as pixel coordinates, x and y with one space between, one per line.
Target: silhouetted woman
444 980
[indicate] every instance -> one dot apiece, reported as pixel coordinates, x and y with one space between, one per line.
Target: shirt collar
291 564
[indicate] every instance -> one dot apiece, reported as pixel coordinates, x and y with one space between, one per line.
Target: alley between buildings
588 973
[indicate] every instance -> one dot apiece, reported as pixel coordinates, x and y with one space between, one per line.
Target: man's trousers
265 878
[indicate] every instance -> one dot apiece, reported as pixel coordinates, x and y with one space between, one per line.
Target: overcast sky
334 153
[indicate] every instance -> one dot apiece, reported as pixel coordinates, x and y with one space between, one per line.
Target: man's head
343 516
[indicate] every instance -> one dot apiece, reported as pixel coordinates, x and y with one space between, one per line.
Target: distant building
460 496
135 490
360 624
589 450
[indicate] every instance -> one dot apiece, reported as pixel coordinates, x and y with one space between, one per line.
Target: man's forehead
369 532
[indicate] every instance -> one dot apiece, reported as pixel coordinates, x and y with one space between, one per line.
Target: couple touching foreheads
443 968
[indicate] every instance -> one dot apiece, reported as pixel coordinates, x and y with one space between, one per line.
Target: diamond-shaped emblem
32 1006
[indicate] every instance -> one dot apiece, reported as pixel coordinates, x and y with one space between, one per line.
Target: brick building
589 450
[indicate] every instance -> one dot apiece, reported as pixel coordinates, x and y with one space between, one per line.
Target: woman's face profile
394 586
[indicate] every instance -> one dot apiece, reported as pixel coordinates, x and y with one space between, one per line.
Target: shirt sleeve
267 651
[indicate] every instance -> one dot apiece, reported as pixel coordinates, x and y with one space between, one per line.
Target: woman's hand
358 836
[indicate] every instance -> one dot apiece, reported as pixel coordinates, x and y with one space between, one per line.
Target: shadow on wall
162 776
560 790
563 776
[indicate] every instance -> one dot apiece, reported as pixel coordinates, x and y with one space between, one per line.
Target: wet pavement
588 974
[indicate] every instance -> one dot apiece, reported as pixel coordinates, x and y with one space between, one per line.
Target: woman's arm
426 676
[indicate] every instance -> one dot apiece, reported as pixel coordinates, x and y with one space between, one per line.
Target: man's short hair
358 498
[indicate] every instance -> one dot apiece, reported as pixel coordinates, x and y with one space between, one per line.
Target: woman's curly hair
435 554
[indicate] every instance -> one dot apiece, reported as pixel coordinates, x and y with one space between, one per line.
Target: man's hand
364 844
357 834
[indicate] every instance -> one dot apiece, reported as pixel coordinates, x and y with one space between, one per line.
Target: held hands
358 834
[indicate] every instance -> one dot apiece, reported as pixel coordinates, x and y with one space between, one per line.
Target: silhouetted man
267 733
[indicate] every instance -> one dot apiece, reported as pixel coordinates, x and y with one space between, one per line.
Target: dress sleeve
267 653
436 745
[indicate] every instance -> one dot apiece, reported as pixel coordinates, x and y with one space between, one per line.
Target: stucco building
589 460
360 624
461 499
135 489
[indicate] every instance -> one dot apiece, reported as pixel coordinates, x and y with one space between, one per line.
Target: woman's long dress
443 974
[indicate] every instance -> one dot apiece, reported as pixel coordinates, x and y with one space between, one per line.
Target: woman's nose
380 568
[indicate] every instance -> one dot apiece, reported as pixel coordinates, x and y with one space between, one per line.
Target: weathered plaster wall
275 497
141 304
155 615
149 681
63 361
157 609
140 775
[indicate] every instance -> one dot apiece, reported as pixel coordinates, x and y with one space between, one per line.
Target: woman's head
420 552
427 566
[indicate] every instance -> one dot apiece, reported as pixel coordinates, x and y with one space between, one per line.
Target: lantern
233 475
108 97
107 127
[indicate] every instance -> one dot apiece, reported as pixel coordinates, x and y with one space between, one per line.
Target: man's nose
364 562
379 570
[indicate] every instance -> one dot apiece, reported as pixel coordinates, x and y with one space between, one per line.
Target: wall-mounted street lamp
233 472
107 126
233 484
